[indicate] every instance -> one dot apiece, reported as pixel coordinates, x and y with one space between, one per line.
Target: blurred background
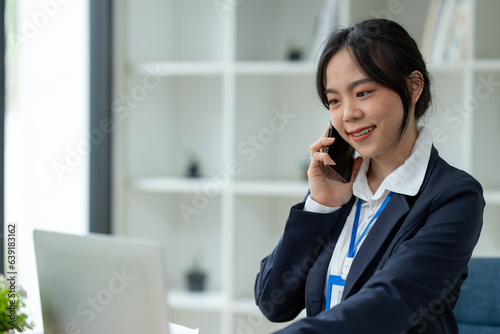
190 121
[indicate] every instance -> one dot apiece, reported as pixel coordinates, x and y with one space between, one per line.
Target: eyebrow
351 86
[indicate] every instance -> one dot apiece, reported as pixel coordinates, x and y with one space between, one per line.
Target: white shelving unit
211 77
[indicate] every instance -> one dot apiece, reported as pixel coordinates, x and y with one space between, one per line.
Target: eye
333 102
364 93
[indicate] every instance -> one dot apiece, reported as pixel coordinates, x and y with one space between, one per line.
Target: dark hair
387 54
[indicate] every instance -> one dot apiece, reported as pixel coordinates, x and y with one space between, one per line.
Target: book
445 31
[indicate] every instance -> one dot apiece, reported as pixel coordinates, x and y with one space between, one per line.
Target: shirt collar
406 179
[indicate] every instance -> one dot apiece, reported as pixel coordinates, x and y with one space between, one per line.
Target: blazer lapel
395 209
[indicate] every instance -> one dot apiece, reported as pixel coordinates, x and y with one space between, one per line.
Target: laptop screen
100 284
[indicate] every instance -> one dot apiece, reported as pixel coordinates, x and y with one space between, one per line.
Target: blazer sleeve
280 284
416 284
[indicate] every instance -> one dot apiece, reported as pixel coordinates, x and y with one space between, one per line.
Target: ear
416 85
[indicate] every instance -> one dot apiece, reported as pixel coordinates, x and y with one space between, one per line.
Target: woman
386 252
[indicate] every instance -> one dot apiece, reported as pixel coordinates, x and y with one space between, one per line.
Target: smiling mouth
362 132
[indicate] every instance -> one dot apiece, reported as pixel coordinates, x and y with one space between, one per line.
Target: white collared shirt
406 179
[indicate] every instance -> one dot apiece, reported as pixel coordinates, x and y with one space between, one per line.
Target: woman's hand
326 187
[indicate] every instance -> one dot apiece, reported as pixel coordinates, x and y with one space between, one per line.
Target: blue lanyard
354 244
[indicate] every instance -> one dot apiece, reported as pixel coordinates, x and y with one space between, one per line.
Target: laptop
100 284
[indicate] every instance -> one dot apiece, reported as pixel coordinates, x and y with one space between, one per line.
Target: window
46 126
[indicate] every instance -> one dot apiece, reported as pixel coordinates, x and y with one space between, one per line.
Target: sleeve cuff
313 206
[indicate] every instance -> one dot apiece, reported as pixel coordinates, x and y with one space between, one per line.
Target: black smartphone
342 153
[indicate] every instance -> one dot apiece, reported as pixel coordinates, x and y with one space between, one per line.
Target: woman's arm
280 284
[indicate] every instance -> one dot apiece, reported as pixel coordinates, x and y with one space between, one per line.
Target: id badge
334 291
346 267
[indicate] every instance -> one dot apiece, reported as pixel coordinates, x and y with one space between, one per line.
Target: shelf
271 188
275 67
171 184
175 68
202 301
483 64
188 185
179 68
487 65
227 90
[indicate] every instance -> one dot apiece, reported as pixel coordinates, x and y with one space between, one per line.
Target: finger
322 158
355 168
319 146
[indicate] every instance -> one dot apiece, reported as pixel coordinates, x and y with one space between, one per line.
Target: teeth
362 132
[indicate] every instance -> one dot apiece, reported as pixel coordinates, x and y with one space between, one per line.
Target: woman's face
365 113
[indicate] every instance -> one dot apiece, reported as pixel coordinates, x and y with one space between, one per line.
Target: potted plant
193 166
196 277
12 300
293 50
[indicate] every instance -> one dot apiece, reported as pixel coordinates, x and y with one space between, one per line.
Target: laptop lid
97 284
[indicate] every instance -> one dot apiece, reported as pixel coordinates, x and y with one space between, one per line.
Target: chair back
478 307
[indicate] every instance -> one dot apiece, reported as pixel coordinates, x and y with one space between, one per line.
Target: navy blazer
406 276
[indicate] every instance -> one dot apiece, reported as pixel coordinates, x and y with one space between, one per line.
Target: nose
352 111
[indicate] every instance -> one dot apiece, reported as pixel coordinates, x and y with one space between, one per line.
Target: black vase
294 55
196 281
193 170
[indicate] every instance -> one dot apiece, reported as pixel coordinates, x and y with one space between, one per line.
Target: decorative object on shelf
12 319
193 167
293 50
196 277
